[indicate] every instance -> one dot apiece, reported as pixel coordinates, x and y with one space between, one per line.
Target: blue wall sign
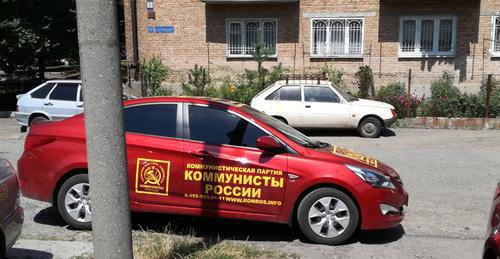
161 29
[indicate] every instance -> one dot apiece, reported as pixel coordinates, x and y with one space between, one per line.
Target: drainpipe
135 41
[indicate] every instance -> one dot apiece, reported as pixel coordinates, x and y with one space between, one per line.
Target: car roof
186 99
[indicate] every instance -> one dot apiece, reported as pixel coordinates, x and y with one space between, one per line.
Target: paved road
449 174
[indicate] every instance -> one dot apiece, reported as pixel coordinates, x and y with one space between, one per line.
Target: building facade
391 36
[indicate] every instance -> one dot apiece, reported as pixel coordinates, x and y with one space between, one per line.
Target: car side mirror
269 144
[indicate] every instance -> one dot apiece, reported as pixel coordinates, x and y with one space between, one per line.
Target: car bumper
22 118
382 208
389 122
12 227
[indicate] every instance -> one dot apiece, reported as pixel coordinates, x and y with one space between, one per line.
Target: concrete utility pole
106 153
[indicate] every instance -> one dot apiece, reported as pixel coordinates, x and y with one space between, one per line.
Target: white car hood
371 103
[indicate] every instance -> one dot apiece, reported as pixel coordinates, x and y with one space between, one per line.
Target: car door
285 102
223 168
61 103
322 107
154 153
38 98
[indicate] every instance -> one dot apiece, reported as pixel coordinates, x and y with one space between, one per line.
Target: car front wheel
73 202
370 127
327 216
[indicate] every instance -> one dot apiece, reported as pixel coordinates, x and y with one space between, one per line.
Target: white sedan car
320 104
52 100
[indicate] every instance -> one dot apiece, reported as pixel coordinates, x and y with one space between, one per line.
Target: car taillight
17 108
37 141
394 114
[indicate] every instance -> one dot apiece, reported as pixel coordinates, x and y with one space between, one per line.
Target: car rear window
64 92
219 127
152 119
43 91
285 93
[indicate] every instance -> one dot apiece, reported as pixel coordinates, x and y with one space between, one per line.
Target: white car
319 104
52 100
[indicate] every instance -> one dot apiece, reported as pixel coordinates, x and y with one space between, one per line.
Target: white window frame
417 53
243 21
495 53
346 38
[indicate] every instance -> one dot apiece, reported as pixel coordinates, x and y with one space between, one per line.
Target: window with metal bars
337 37
244 35
496 36
427 36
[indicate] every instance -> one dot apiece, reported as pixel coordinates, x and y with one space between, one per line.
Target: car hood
371 103
347 156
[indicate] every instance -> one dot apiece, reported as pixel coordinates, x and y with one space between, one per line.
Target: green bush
335 76
248 85
153 73
365 82
445 97
198 83
394 94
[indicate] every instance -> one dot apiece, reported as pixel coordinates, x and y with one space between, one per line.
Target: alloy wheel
77 202
329 217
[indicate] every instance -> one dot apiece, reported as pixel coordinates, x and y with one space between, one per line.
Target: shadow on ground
211 229
342 132
49 216
18 253
215 229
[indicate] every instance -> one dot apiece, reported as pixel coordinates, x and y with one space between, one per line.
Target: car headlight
373 178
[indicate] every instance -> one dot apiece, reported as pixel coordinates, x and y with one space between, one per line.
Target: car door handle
201 153
80 106
48 104
308 106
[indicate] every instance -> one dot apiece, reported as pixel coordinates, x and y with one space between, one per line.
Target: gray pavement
449 174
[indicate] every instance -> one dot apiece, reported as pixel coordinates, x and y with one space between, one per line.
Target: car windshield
346 96
286 130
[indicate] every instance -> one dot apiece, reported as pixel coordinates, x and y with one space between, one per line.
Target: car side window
64 92
43 91
285 93
320 94
151 119
219 127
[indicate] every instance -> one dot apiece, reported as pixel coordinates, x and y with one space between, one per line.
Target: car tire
38 119
370 127
330 226
73 202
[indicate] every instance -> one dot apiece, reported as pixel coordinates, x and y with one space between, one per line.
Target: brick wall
200 38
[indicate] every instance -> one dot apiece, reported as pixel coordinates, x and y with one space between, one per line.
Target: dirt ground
449 174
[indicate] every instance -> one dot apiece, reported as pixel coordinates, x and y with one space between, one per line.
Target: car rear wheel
370 127
327 216
38 119
73 202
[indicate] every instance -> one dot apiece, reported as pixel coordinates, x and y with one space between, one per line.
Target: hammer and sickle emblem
152 176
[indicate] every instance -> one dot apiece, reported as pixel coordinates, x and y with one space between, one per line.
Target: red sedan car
208 157
492 245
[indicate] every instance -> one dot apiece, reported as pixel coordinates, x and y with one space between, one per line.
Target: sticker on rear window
355 156
152 176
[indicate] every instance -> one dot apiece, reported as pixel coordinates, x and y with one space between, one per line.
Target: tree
198 84
36 33
260 54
